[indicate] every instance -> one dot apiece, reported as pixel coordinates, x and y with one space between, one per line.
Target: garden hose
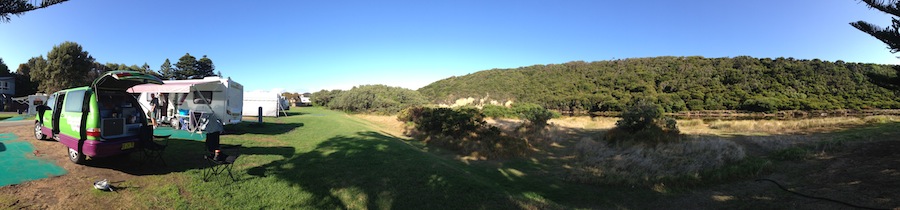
819 198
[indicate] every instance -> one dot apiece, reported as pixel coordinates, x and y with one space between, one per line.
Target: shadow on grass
265 128
374 171
180 156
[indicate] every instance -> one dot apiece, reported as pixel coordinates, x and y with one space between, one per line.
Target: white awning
183 86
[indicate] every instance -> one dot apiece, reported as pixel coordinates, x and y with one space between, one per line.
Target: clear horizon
310 46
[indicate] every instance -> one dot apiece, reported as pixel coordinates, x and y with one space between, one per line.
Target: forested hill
681 83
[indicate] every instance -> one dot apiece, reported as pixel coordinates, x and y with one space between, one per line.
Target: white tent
271 103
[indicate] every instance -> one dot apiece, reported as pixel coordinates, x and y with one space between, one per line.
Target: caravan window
205 99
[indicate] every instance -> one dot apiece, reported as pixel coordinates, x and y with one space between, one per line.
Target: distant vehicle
96 121
305 101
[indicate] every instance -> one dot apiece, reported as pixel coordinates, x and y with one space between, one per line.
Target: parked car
99 120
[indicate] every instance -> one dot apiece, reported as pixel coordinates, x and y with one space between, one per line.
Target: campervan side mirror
41 108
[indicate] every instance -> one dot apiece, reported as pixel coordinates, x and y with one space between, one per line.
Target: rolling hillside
680 84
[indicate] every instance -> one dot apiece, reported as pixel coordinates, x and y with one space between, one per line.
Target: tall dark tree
19 7
24 70
205 67
186 67
68 66
24 85
165 70
4 70
33 64
889 35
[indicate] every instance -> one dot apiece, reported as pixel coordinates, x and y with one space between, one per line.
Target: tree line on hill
380 99
681 84
68 65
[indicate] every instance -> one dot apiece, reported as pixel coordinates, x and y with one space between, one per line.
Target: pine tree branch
19 7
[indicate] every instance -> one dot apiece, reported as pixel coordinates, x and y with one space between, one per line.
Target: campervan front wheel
37 132
75 156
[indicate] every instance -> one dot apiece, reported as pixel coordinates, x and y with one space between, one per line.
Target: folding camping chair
220 158
154 148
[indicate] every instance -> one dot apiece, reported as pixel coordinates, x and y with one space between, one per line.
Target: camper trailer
180 101
272 103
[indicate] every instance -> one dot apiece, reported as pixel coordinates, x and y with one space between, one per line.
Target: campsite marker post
259 116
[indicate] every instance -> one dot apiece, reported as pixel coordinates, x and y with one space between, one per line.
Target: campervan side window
206 95
75 101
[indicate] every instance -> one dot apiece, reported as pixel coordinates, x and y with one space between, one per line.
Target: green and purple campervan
100 120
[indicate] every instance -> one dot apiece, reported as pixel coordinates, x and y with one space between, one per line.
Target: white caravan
183 98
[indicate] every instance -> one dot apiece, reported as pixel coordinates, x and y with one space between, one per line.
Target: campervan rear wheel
75 156
37 132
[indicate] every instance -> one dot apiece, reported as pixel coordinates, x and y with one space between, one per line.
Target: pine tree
165 70
888 35
186 68
205 67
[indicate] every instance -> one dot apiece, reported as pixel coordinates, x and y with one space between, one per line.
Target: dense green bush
380 99
463 130
495 111
534 114
680 83
642 123
761 104
639 116
323 97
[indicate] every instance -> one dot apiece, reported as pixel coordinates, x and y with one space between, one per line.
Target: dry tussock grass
796 126
697 126
585 122
389 123
599 163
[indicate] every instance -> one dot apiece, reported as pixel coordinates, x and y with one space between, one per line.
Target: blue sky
306 46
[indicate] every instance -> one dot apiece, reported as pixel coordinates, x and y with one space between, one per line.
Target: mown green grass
321 159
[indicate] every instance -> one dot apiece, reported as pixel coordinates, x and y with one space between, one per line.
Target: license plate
127 145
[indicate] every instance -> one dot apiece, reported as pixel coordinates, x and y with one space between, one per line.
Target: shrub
495 111
761 104
641 123
651 136
640 115
463 130
536 115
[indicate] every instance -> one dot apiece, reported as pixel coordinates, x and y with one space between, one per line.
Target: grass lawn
322 159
